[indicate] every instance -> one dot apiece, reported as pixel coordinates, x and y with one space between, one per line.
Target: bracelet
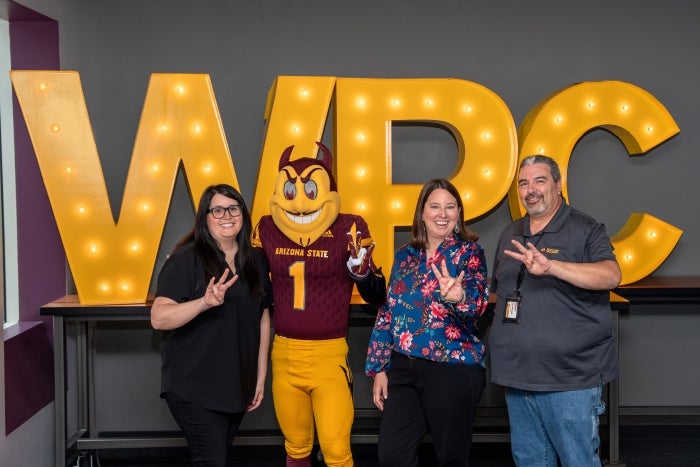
458 301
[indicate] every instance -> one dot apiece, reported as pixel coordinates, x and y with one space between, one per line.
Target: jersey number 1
296 271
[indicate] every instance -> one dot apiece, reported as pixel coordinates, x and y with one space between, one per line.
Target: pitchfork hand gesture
450 287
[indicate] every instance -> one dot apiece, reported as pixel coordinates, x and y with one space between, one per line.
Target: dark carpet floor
640 446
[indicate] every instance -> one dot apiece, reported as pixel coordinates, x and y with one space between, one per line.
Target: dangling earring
456 228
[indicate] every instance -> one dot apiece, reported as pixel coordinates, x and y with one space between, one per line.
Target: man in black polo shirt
551 343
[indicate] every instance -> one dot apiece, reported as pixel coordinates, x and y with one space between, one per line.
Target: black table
69 310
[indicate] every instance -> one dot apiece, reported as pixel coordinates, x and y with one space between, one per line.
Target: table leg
59 389
614 406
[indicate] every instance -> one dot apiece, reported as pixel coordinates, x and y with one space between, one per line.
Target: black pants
209 433
425 396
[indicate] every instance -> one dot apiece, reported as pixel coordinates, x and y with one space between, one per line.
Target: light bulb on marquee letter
640 121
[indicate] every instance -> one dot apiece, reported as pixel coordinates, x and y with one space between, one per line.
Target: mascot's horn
284 158
325 158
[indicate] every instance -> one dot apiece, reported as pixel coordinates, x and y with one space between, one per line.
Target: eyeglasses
218 212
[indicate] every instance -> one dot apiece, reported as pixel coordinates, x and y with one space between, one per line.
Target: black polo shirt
564 339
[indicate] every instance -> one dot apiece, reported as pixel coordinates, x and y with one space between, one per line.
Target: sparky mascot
316 255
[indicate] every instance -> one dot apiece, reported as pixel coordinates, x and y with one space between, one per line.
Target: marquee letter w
112 262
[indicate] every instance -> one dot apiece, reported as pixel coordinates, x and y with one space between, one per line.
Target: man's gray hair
540 159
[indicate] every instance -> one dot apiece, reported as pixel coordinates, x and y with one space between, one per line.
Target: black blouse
212 360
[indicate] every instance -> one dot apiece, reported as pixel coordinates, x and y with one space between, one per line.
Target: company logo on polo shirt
553 251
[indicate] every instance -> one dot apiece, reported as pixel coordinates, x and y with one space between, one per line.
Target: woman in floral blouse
427 363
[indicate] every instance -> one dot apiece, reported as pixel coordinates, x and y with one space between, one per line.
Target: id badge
512 311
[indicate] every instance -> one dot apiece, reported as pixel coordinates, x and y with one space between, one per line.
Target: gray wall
521 50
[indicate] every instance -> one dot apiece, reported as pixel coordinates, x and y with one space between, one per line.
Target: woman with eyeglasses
212 303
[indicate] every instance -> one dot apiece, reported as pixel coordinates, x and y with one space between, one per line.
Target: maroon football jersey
311 287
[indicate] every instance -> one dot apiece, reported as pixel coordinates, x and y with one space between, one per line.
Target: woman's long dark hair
419 237
208 251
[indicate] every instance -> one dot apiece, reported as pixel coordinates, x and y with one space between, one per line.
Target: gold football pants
312 381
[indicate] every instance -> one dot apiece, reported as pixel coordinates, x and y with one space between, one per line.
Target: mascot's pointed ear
284 158
326 158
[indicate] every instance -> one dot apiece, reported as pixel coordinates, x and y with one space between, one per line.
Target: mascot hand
360 254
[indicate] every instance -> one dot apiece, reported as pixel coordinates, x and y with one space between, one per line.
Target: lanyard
521 272
518 283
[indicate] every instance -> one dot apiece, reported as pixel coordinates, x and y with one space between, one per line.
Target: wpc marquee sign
112 262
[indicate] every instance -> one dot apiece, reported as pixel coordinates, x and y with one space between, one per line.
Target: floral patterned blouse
416 321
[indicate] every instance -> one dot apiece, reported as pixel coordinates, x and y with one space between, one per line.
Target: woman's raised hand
214 295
